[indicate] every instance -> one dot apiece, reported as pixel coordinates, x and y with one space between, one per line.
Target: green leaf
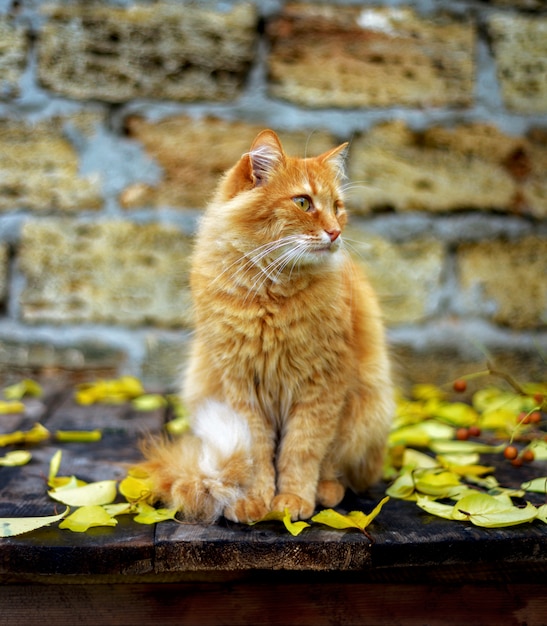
492 512
537 485
539 448
403 487
463 447
435 508
12 526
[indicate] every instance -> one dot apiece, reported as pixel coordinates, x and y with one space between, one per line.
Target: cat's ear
265 156
337 159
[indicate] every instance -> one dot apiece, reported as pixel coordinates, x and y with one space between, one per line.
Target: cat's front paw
247 510
298 507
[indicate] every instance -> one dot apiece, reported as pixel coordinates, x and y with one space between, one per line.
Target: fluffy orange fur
288 382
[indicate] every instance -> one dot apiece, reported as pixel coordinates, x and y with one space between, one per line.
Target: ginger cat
289 382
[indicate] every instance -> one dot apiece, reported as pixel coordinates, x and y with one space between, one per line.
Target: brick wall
116 119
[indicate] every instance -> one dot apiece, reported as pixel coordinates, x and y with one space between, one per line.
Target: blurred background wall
117 117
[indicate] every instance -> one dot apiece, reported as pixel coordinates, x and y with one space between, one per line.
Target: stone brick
471 166
162 50
338 56
505 281
525 5
59 366
406 276
40 168
3 271
520 48
442 364
107 272
164 361
193 153
13 51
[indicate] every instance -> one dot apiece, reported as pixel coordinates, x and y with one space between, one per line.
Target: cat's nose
333 234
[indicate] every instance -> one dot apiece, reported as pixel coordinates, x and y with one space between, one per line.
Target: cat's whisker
359 252
254 258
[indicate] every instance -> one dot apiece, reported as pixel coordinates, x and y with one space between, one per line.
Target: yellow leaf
102 492
149 515
114 391
498 419
363 519
354 519
458 459
78 436
120 508
295 528
87 517
54 466
135 489
149 402
470 470
420 435
415 459
12 406
15 458
179 425
427 392
12 526
23 388
439 483
456 414
332 518
36 434
181 422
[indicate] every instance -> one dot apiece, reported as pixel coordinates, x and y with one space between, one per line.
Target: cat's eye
303 202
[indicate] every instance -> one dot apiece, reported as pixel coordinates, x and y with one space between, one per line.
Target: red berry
510 453
460 385
516 462
474 431
523 418
535 417
462 434
528 456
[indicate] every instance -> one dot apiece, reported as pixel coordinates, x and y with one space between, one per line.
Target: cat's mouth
322 248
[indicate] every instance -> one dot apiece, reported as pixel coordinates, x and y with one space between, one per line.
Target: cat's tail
206 471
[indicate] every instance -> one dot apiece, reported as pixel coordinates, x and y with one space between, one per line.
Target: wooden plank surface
275 604
405 539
